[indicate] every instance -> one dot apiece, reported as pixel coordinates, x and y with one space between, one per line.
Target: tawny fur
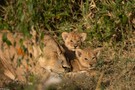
24 56
73 40
85 60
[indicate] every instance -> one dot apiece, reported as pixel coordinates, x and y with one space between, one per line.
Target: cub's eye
85 58
93 58
78 41
62 62
71 40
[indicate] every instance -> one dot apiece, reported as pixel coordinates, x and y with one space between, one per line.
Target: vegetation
108 23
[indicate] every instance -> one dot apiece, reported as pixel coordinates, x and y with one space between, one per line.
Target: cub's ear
83 36
64 35
78 53
97 52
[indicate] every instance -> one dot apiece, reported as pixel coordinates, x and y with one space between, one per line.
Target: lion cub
73 40
86 59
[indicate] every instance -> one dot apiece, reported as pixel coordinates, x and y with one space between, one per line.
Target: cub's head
54 60
73 39
87 57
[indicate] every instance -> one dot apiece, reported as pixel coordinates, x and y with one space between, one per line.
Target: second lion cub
73 40
86 59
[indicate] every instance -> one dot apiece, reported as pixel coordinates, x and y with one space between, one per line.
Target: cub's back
19 55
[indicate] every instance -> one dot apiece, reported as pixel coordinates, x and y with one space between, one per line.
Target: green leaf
124 19
42 36
8 42
5 39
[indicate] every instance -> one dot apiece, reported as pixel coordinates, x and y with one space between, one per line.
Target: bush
103 20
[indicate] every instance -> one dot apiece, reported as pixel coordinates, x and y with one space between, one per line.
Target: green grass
108 23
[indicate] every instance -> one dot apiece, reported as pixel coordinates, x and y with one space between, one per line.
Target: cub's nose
67 68
75 46
92 65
